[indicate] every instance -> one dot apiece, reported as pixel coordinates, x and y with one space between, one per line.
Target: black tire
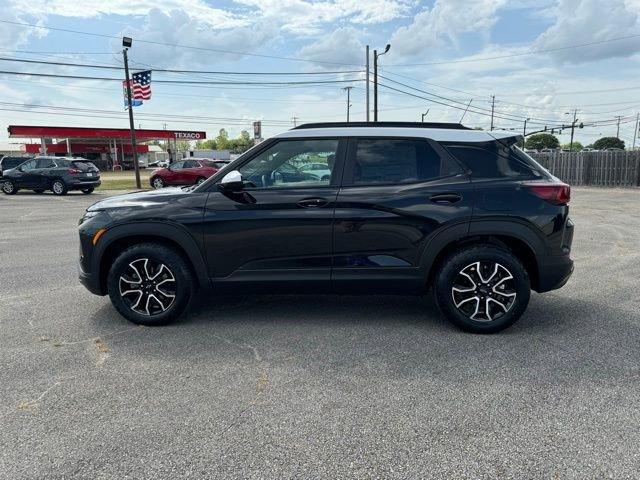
9 187
87 191
58 187
457 276
163 309
200 180
157 182
39 190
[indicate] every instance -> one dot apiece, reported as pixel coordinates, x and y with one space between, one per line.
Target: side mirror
232 181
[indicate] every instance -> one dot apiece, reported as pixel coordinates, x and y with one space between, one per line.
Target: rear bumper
554 272
82 184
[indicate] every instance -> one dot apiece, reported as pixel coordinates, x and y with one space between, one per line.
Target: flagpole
126 42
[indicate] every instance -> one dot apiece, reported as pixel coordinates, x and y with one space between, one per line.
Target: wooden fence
605 169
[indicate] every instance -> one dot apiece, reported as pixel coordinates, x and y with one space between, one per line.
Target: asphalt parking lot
317 387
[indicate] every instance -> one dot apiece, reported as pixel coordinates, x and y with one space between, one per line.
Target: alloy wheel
148 287
7 187
484 291
158 183
58 187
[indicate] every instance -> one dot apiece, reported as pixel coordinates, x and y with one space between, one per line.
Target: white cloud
584 21
340 46
444 23
179 28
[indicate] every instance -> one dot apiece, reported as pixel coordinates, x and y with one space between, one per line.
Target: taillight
74 171
556 193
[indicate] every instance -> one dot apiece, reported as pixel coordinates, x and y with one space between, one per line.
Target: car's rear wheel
157 182
9 187
150 284
482 289
87 191
58 187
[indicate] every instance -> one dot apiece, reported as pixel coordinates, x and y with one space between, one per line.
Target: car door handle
312 203
446 198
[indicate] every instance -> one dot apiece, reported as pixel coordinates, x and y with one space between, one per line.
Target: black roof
453 126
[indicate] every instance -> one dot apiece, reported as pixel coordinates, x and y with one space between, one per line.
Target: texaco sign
190 135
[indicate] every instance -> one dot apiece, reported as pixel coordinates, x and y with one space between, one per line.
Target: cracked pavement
319 386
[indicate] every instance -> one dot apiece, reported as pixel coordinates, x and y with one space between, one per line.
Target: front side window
177 166
398 161
30 165
283 164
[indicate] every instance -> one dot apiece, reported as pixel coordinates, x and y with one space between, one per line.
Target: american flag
140 87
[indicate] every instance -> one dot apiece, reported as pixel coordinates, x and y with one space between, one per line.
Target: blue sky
447 51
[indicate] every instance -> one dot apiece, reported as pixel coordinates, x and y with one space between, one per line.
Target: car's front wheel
58 187
9 187
482 289
200 180
150 284
158 182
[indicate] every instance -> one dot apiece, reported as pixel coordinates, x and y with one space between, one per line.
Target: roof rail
452 126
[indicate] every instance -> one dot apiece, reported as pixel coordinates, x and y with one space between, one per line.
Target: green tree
608 142
183 145
222 140
539 141
206 144
577 146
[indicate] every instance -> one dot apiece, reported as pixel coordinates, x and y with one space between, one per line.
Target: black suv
406 207
58 174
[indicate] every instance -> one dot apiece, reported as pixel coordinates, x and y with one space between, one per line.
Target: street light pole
348 89
635 132
375 80
425 114
524 130
126 43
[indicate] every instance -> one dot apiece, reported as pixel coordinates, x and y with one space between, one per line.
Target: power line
151 42
529 52
167 70
181 82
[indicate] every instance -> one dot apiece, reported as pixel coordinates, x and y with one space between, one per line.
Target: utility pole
375 80
465 110
126 43
295 121
618 131
367 75
573 128
524 130
493 106
635 132
425 114
348 89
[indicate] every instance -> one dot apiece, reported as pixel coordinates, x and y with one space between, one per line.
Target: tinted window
177 166
281 165
46 163
398 161
84 166
493 160
191 164
30 165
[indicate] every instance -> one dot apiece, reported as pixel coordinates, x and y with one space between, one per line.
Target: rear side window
46 163
493 160
398 161
84 166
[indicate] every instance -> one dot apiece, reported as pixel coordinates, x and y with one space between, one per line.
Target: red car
185 172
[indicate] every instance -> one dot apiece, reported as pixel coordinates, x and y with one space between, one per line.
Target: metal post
131 124
425 114
524 130
635 132
69 148
375 85
367 75
618 131
43 146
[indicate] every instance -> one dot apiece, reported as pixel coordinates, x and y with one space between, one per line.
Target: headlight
88 215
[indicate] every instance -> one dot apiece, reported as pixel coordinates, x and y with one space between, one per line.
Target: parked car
158 164
58 174
8 162
185 172
407 207
317 170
